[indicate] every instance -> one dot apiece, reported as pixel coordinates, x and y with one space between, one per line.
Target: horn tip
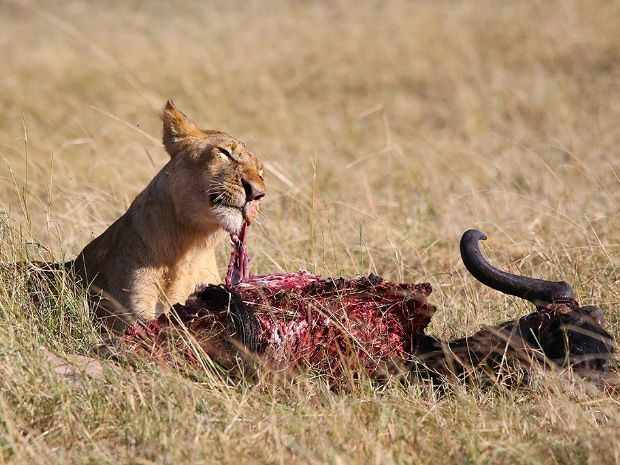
474 235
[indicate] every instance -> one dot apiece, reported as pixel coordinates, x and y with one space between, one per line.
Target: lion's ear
177 126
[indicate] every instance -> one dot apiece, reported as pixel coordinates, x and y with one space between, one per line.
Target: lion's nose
252 191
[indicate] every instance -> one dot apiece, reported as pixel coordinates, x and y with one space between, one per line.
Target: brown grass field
387 130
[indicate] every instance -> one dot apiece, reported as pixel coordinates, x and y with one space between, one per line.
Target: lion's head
214 179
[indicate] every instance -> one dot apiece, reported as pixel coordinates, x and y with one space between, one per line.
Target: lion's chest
180 279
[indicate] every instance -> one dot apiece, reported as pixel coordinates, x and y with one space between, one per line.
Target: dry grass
388 129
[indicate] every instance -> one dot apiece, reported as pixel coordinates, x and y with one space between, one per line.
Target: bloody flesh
239 265
329 326
333 328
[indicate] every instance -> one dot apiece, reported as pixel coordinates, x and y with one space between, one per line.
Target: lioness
163 246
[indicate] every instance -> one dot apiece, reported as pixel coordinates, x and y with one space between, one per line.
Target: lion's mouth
239 266
249 210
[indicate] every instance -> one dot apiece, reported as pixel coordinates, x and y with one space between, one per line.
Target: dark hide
559 336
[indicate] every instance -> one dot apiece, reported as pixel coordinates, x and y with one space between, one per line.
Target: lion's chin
232 219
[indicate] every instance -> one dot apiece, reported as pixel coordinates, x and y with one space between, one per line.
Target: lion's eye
225 152
260 173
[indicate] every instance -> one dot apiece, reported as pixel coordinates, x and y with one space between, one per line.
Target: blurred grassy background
387 130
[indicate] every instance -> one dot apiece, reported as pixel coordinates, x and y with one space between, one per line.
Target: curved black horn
538 291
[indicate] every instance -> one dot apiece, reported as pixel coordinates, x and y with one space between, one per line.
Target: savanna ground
387 129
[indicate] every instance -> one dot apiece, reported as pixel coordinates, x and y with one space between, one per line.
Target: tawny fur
163 246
